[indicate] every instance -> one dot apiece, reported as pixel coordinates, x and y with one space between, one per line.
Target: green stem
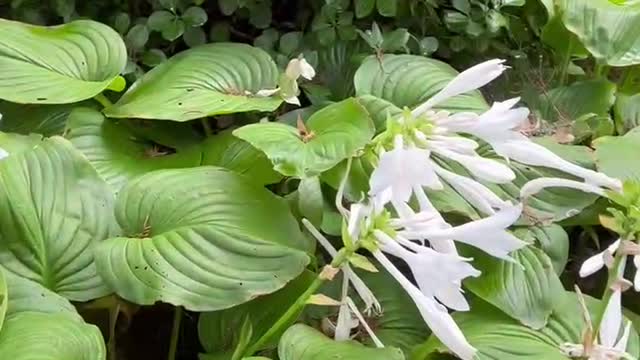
175 333
113 320
206 126
616 273
566 60
601 70
285 320
103 100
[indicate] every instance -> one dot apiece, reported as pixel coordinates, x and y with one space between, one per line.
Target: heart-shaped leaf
608 30
330 135
526 290
116 153
208 80
29 296
409 80
54 209
302 342
498 337
58 64
203 238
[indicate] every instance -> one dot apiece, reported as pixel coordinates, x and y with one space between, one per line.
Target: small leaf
364 8
428 45
387 7
160 20
118 84
322 300
396 40
121 22
173 30
228 7
327 142
290 42
153 57
194 16
302 342
194 36
137 37
169 4
462 5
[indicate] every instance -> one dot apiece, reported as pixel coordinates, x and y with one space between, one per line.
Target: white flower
288 88
489 234
300 67
438 275
471 79
3 153
435 315
610 345
598 261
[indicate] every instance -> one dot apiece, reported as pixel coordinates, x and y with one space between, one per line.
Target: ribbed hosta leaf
302 342
54 209
608 30
207 80
116 153
332 134
58 64
526 290
498 337
204 238
42 325
408 80
37 336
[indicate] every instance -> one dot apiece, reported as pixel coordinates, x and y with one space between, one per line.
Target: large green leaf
302 342
617 156
333 134
409 80
608 30
498 337
54 209
37 336
568 103
219 331
45 326
526 290
116 153
58 64
207 80
380 110
204 238
47 120
228 151
552 239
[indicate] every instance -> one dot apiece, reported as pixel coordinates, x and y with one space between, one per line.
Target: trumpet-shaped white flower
300 68
611 345
435 315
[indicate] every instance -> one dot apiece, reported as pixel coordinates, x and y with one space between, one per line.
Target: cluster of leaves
175 191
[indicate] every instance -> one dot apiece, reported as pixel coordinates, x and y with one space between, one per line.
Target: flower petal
474 192
536 185
486 169
611 320
596 262
267 92
471 79
3 152
621 345
435 315
636 278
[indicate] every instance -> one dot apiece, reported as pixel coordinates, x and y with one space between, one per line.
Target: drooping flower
288 84
605 258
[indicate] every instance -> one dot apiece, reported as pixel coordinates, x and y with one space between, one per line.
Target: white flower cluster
410 155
